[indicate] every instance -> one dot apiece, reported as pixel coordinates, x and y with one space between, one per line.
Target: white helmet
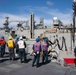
20 38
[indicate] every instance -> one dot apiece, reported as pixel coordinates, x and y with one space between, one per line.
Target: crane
20 22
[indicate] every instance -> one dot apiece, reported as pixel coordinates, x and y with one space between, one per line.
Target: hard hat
45 39
20 38
2 37
17 37
10 38
37 39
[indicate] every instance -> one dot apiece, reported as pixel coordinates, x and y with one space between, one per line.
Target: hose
56 40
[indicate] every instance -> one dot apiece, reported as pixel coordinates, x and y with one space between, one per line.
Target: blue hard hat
2 37
17 37
45 39
37 39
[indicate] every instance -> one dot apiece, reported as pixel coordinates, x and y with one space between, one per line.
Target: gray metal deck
8 67
16 68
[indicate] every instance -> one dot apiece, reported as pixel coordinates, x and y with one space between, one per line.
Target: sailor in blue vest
36 50
45 51
16 41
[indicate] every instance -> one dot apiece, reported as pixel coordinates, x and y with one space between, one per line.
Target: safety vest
10 44
2 41
37 46
44 46
21 44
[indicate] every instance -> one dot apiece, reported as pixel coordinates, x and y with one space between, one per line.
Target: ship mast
32 23
74 21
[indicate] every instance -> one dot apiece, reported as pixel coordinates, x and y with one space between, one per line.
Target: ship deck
8 67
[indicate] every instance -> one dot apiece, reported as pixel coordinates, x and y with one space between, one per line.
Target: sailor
36 51
2 46
44 46
21 47
16 41
75 55
11 46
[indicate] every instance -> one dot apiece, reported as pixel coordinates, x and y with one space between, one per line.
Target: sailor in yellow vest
11 46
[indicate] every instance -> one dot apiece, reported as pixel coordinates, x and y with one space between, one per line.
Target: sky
47 9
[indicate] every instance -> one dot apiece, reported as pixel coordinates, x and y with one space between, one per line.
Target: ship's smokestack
32 25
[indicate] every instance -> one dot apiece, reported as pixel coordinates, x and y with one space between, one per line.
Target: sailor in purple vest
45 50
36 50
